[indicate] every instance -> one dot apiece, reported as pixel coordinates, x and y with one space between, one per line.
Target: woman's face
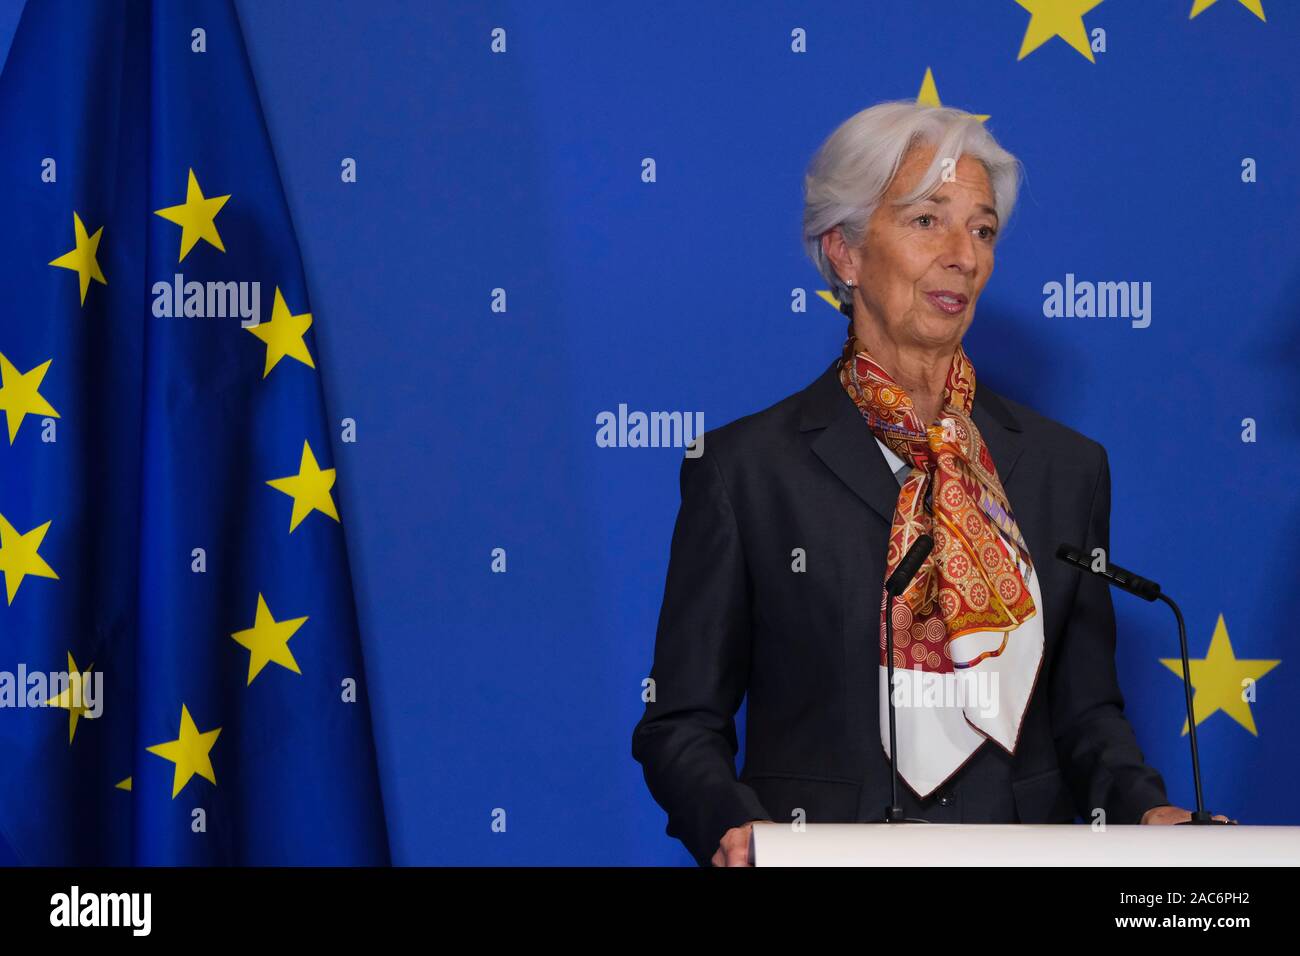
922 267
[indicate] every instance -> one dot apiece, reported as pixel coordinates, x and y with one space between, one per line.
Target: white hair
853 168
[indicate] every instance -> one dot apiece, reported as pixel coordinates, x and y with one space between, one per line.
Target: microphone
1148 590
911 563
896 585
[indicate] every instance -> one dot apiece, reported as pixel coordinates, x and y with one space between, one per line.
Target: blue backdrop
522 171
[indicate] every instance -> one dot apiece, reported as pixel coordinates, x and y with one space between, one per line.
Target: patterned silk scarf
971 610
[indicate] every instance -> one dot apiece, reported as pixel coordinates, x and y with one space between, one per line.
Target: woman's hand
734 848
1171 814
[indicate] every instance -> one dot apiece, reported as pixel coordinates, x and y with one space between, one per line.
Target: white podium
943 844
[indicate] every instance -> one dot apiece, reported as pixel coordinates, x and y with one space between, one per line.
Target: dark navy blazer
736 620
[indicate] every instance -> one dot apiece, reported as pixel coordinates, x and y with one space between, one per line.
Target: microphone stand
893 812
1201 815
1149 590
896 585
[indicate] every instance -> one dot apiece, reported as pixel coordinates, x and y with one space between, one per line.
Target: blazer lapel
1001 431
847 447
846 444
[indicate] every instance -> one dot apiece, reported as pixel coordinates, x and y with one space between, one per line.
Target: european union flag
181 679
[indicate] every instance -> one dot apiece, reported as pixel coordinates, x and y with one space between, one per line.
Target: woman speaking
1008 705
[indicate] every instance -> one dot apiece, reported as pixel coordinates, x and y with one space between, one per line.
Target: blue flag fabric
181 679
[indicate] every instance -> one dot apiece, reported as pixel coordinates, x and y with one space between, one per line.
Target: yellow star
929 95
81 259
1056 18
1219 679
283 335
828 297
19 396
268 640
189 751
309 489
18 557
73 697
1254 6
124 784
196 217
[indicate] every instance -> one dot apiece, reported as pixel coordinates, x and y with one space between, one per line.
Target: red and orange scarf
972 580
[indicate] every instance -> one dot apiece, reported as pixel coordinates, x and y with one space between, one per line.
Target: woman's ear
842 257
